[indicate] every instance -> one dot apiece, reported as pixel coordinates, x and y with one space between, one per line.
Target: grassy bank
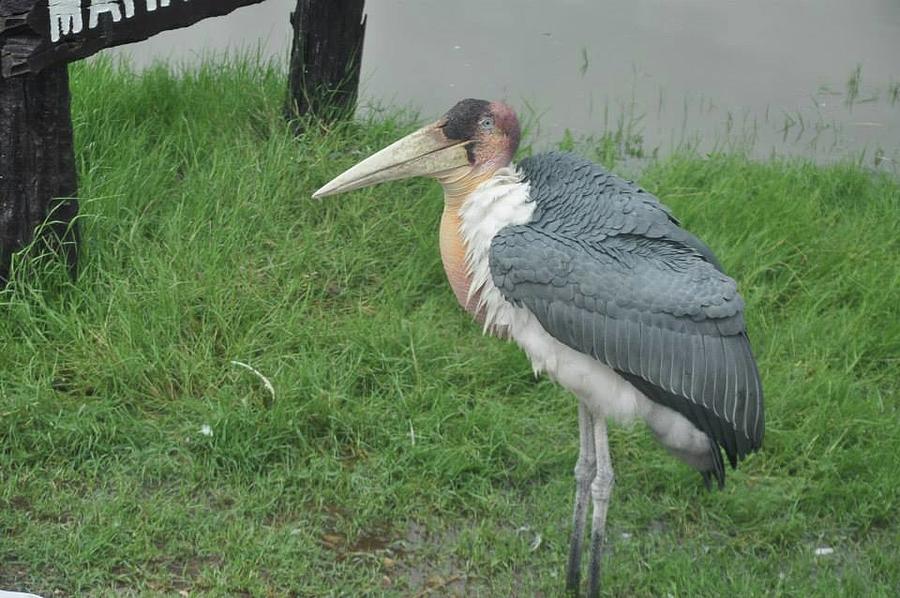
400 452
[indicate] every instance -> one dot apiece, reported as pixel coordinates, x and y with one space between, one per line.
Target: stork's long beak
427 151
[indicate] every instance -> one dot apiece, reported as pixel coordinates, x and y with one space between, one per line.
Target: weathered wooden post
325 58
37 166
38 38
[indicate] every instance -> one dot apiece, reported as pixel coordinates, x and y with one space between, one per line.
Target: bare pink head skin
491 132
508 128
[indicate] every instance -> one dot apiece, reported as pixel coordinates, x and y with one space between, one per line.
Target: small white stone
824 551
206 430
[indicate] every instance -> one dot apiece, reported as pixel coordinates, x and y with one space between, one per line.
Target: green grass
402 450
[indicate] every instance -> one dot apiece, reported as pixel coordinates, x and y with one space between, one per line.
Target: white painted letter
112 7
100 6
152 4
65 18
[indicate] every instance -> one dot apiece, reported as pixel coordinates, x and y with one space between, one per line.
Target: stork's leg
585 472
601 489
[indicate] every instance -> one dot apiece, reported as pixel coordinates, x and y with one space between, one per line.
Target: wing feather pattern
637 292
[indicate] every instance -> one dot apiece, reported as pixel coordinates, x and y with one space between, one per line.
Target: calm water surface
774 72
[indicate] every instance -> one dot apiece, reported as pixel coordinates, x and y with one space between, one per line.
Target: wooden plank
38 182
36 34
326 56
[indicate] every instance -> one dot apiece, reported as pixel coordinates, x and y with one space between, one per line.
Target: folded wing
606 270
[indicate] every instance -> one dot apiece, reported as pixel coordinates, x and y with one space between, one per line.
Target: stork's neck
474 211
457 189
453 255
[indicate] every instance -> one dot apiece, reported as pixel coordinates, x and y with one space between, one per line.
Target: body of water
811 77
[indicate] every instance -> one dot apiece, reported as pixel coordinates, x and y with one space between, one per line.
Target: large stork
596 281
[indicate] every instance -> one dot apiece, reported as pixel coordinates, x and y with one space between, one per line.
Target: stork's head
461 149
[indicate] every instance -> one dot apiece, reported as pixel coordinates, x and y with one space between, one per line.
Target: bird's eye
486 123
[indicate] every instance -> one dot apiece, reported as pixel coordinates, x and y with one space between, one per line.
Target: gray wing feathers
607 271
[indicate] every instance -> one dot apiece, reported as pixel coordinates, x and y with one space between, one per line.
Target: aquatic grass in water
824 129
403 452
894 92
852 94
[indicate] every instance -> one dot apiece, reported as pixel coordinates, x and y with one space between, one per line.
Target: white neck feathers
502 200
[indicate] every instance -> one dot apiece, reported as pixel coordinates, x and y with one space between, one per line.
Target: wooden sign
35 34
38 180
